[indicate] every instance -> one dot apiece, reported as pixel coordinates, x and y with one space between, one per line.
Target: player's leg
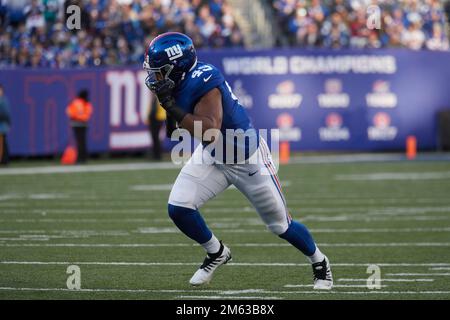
194 186
263 189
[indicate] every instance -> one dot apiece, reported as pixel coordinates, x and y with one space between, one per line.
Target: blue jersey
199 81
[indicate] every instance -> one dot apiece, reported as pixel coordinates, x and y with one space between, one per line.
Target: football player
193 91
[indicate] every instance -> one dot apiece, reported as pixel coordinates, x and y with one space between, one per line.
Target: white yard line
236 264
89 168
386 280
334 286
144 211
440 268
418 274
259 245
388 176
223 293
45 220
351 158
340 218
169 229
229 297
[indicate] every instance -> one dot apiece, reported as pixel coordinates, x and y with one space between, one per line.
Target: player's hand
171 126
163 90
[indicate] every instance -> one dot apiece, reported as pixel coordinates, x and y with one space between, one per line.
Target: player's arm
171 126
208 111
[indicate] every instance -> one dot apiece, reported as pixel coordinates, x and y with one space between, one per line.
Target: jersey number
197 73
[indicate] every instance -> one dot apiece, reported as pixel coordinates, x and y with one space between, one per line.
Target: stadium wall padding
337 100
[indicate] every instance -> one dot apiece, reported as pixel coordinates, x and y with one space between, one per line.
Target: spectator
413 37
112 32
415 24
79 112
34 14
438 41
5 123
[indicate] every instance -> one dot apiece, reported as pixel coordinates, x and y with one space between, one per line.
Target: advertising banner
319 99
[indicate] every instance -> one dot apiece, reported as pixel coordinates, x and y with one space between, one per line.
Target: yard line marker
152 187
386 280
89 168
236 264
228 229
418 274
334 286
249 245
339 218
386 176
228 296
440 268
45 220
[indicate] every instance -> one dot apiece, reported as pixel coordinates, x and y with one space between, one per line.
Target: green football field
112 223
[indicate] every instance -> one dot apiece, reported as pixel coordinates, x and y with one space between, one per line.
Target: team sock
191 223
316 257
212 246
298 235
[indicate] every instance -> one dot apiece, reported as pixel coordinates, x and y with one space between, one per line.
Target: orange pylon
411 147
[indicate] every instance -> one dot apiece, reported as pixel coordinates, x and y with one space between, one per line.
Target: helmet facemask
156 75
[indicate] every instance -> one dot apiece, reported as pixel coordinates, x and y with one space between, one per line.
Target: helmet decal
170 56
174 52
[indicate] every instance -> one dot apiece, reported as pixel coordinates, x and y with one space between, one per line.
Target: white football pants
199 182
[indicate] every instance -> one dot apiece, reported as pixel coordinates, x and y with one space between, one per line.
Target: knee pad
278 228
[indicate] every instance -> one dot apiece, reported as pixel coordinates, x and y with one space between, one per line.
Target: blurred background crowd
33 33
414 24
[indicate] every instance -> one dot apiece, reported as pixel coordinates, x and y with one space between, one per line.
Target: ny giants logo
174 52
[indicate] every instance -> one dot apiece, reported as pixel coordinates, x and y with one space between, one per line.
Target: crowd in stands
35 33
414 24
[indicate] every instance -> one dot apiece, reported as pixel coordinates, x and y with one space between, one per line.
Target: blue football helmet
169 57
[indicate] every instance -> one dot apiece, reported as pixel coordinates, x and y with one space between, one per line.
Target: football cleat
204 274
323 279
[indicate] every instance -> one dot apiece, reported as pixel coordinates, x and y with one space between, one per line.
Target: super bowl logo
285 98
245 99
333 96
382 129
334 131
381 97
288 132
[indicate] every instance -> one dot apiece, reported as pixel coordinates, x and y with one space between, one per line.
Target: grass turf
114 226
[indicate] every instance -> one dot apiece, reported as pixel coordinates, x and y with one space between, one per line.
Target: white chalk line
305 218
229 297
159 230
236 264
44 211
89 168
387 176
440 268
334 286
45 220
276 245
418 274
224 295
385 280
